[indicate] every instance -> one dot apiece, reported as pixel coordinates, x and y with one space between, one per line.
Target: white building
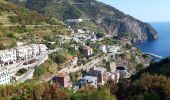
4 76
103 48
113 49
80 31
73 61
43 48
74 20
24 52
21 53
7 57
35 49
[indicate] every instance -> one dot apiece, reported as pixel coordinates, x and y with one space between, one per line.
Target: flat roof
90 78
62 75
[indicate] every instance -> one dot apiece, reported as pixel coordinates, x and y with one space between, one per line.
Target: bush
39 71
21 72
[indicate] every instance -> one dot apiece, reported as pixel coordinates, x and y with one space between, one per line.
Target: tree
108 66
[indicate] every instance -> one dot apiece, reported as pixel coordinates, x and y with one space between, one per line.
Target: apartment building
7 57
62 79
4 76
21 53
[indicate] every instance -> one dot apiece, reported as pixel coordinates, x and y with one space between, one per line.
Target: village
30 56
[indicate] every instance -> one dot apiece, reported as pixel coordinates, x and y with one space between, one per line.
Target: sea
161 46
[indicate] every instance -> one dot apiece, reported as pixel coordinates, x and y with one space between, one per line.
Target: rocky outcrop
139 31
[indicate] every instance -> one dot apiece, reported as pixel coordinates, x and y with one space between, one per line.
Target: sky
145 10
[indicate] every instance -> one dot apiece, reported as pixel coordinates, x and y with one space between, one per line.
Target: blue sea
161 46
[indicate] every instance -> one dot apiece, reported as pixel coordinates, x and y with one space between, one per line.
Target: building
73 61
80 31
103 48
98 72
112 49
42 48
113 66
4 76
74 20
62 79
35 49
8 57
21 53
114 76
24 52
88 51
91 80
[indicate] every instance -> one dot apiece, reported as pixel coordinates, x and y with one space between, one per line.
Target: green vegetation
21 72
107 66
21 24
45 69
89 93
140 66
100 34
32 91
74 77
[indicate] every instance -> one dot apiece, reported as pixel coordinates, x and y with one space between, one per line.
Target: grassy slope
20 24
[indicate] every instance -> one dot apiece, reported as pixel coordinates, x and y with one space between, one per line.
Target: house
113 49
24 52
42 48
113 75
8 57
62 79
98 72
103 48
74 20
80 31
4 76
35 50
88 51
73 61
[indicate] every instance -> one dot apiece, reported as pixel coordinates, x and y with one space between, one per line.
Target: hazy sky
145 10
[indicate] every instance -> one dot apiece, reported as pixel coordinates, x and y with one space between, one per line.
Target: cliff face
138 30
102 17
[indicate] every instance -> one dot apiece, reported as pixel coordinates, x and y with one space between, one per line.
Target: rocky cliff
101 17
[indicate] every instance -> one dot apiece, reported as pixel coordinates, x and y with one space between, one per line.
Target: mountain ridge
102 17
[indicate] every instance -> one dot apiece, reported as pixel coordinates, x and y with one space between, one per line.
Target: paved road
29 73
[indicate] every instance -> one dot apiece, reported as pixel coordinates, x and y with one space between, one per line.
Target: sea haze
161 46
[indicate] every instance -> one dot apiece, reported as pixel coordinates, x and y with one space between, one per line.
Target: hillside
19 24
99 16
161 68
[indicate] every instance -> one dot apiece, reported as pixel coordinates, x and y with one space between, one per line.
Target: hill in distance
101 17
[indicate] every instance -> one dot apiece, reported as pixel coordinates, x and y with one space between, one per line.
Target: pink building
88 51
62 79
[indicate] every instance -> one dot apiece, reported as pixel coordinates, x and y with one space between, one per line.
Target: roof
99 69
90 78
62 75
3 69
87 48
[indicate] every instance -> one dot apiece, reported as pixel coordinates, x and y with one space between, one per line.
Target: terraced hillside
20 24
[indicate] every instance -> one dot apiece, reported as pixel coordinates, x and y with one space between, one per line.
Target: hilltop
99 16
